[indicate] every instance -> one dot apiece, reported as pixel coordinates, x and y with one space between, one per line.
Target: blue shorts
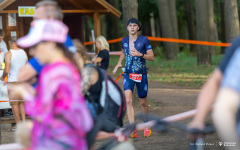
142 87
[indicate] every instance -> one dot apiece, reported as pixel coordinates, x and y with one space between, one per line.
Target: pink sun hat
44 30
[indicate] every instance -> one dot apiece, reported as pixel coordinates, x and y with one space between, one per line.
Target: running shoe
134 134
147 132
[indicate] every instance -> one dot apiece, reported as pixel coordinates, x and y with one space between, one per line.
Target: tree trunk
152 23
191 26
158 28
113 26
232 21
167 28
87 30
223 26
174 23
103 25
203 27
130 10
212 26
173 14
146 28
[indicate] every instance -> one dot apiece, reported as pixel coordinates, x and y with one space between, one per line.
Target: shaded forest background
202 20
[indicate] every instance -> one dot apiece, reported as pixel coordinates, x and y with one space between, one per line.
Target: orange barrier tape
3 101
115 40
109 41
189 41
88 43
119 77
172 40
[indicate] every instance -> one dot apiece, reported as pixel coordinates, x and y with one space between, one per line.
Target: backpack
112 101
110 108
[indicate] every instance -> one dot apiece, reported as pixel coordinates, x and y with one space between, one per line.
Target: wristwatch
142 55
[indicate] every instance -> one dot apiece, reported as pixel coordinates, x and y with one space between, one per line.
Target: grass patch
183 71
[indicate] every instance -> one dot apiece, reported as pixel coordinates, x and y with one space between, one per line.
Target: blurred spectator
102 58
15 59
59 112
3 51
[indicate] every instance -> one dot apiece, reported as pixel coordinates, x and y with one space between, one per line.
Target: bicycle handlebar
157 123
161 125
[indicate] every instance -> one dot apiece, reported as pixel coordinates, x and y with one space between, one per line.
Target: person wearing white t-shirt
15 59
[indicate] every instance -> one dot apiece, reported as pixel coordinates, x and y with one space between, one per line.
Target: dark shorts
13 98
142 87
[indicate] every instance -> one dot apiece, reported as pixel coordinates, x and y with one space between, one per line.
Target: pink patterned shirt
60 114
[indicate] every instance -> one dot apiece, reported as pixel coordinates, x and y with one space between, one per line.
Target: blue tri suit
136 65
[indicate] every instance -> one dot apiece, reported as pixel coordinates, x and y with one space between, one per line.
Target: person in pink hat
60 115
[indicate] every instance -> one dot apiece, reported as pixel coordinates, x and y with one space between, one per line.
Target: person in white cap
59 112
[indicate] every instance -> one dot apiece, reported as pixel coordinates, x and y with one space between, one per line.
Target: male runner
136 49
45 9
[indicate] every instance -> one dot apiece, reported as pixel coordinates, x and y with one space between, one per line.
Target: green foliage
145 7
159 52
183 71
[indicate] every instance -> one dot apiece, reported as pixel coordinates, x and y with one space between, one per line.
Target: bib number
135 77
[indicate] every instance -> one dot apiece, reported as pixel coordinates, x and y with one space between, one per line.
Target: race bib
135 77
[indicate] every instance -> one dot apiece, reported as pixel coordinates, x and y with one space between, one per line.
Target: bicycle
158 124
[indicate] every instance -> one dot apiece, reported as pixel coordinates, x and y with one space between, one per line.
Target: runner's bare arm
148 56
119 64
89 78
8 57
206 98
26 73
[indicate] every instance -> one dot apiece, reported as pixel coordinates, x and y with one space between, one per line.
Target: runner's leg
128 85
144 105
130 109
142 89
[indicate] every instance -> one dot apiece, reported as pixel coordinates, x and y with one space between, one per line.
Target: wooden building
13 23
